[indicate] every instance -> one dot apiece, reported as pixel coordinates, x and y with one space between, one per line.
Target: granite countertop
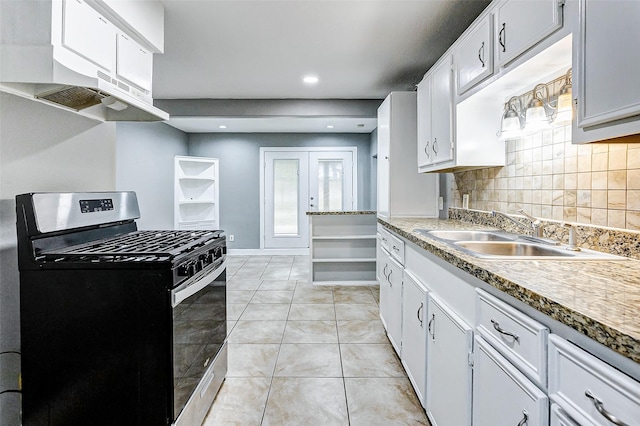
600 299
338 213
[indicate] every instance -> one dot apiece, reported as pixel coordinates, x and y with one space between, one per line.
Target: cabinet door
88 33
502 396
414 333
608 65
134 63
474 55
441 108
391 301
520 24
424 122
449 346
384 141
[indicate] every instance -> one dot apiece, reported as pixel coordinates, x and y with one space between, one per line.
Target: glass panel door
286 176
331 184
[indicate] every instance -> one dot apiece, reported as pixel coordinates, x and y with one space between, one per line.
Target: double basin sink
501 245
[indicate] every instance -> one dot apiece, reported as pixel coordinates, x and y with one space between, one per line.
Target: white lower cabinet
390 272
502 395
449 349
414 332
589 390
560 418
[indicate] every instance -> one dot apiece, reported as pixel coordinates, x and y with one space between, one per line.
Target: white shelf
344 237
196 196
364 259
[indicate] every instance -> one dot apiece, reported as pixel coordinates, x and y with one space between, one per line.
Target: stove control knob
185 270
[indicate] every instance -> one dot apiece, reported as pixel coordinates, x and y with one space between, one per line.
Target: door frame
354 153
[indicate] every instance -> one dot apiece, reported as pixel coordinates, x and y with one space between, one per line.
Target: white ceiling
261 49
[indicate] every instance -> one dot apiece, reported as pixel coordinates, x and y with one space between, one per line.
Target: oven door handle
180 294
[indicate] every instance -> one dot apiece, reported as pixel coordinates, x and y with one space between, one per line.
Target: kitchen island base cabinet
449 352
502 395
342 248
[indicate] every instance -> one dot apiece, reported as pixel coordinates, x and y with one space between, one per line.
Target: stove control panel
91 206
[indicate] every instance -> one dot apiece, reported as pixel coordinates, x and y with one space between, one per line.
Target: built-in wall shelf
196 193
343 248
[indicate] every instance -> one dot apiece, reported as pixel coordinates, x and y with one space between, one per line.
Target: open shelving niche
343 249
196 193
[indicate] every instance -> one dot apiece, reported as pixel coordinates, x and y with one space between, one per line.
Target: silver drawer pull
496 325
396 249
600 407
525 419
418 313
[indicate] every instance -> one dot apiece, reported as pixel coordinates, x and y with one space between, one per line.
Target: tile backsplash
549 177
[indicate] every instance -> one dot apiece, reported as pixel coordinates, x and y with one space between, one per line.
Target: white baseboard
268 252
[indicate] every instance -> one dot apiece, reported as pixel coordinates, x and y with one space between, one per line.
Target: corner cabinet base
342 248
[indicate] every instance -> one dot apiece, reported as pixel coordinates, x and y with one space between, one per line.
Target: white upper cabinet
473 55
402 191
144 19
435 105
88 33
607 62
135 63
521 24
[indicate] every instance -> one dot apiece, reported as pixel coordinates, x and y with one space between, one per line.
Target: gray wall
41 149
144 164
240 174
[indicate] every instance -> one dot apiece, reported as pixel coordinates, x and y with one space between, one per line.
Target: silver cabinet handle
418 313
502 39
432 331
435 146
525 419
389 278
426 149
496 325
600 407
481 51
396 249
384 270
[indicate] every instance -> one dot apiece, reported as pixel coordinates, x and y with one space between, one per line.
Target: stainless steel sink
463 235
517 250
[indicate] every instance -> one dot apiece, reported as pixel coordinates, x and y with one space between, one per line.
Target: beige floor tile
348 311
252 360
370 360
278 285
266 311
353 295
239 296
257 332
309 360
306 401
240 401
305 294
275 296
383 401
356 331
310 332
234 310
243 284
312 312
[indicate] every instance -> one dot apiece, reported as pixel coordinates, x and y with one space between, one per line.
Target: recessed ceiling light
310 79
329 126
222 126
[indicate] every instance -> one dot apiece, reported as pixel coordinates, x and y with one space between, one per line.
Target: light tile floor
304 355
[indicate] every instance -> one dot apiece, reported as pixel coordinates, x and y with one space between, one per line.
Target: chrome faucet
535 227
573 245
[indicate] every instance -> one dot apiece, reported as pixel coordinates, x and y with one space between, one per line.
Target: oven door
199 337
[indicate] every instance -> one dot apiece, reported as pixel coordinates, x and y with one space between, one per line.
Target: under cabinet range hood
41 62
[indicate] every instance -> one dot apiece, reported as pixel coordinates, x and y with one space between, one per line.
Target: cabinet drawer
574 374
560 418
385 238
520 339
396 248
502 395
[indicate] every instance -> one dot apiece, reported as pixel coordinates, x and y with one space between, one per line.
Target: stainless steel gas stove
118 326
